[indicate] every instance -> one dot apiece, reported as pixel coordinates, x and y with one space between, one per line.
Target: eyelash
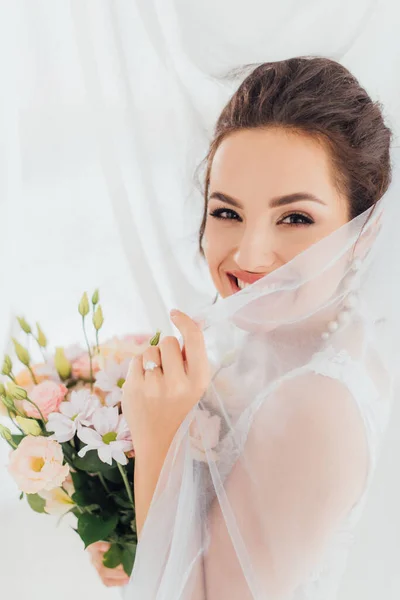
217 214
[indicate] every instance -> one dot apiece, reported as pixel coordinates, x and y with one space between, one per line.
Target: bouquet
73 452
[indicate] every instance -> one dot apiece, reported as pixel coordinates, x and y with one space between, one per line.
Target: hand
110 577
155 403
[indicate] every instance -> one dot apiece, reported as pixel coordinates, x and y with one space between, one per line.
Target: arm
148 464
308 456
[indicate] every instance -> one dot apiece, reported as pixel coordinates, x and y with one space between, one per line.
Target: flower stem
103 481
33 375
11 443
127 485
90 353
16 424
37 408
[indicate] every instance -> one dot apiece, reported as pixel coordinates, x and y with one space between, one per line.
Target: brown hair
319 97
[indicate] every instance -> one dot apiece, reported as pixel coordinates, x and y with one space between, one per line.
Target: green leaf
113 557
92 464
126 518
114 475
21 496
128 558
17 438
36 503
79 479
122 502
69 451
92 528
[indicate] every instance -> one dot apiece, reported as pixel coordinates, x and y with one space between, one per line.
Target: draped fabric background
106 110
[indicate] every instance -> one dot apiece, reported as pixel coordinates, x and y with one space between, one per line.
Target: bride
257 441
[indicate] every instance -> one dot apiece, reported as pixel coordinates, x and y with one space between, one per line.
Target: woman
255 445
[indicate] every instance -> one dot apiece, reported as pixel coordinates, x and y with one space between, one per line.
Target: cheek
217 243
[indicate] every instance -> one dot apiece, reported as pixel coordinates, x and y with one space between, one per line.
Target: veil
268 475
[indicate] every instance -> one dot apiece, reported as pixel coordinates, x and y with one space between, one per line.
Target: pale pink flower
204 435
128 346
81 367
68 485
37 464
111 379
58 502
48 369
48 396
76 411
110 436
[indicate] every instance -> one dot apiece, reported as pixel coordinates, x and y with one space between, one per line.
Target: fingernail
174 313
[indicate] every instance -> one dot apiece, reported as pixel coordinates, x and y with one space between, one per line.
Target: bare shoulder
314 421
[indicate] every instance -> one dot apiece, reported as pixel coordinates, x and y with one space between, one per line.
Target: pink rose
81 367
37 465
48 396
210 427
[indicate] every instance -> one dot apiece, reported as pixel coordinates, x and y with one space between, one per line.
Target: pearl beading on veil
350 301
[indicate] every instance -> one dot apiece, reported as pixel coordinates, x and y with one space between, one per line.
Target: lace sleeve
303 467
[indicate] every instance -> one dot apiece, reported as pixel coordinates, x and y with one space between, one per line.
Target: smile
237 284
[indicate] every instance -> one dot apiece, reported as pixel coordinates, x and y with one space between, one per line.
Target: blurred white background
106 109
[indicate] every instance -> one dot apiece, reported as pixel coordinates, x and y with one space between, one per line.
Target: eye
296 219
225 214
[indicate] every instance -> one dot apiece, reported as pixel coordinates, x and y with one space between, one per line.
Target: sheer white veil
317 337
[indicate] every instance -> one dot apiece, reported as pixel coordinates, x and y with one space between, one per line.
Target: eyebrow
273 203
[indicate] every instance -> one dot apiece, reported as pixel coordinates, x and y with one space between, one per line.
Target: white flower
110 437
74 413
111 379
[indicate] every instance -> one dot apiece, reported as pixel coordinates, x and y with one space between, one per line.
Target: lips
246 277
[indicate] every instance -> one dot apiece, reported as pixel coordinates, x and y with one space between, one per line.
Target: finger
153 354
114 583
99 546
112 574
96 551
135 371
195 348
172 359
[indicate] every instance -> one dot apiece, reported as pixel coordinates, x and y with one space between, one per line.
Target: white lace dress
324 582
374 407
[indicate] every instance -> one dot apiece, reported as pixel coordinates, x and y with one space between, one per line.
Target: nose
256 251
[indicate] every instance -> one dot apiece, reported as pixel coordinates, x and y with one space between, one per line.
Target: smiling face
272 194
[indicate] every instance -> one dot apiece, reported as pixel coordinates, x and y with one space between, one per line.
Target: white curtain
106 110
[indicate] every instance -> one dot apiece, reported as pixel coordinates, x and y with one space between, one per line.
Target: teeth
242 284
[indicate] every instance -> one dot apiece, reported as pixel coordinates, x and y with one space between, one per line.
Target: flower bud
17 392
24 325
98 318
84 305
29 426
154 340
41 338
9 403
22 353
7 365
95 297
5 433
62 364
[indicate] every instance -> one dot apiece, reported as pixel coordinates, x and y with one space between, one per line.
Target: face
271 196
